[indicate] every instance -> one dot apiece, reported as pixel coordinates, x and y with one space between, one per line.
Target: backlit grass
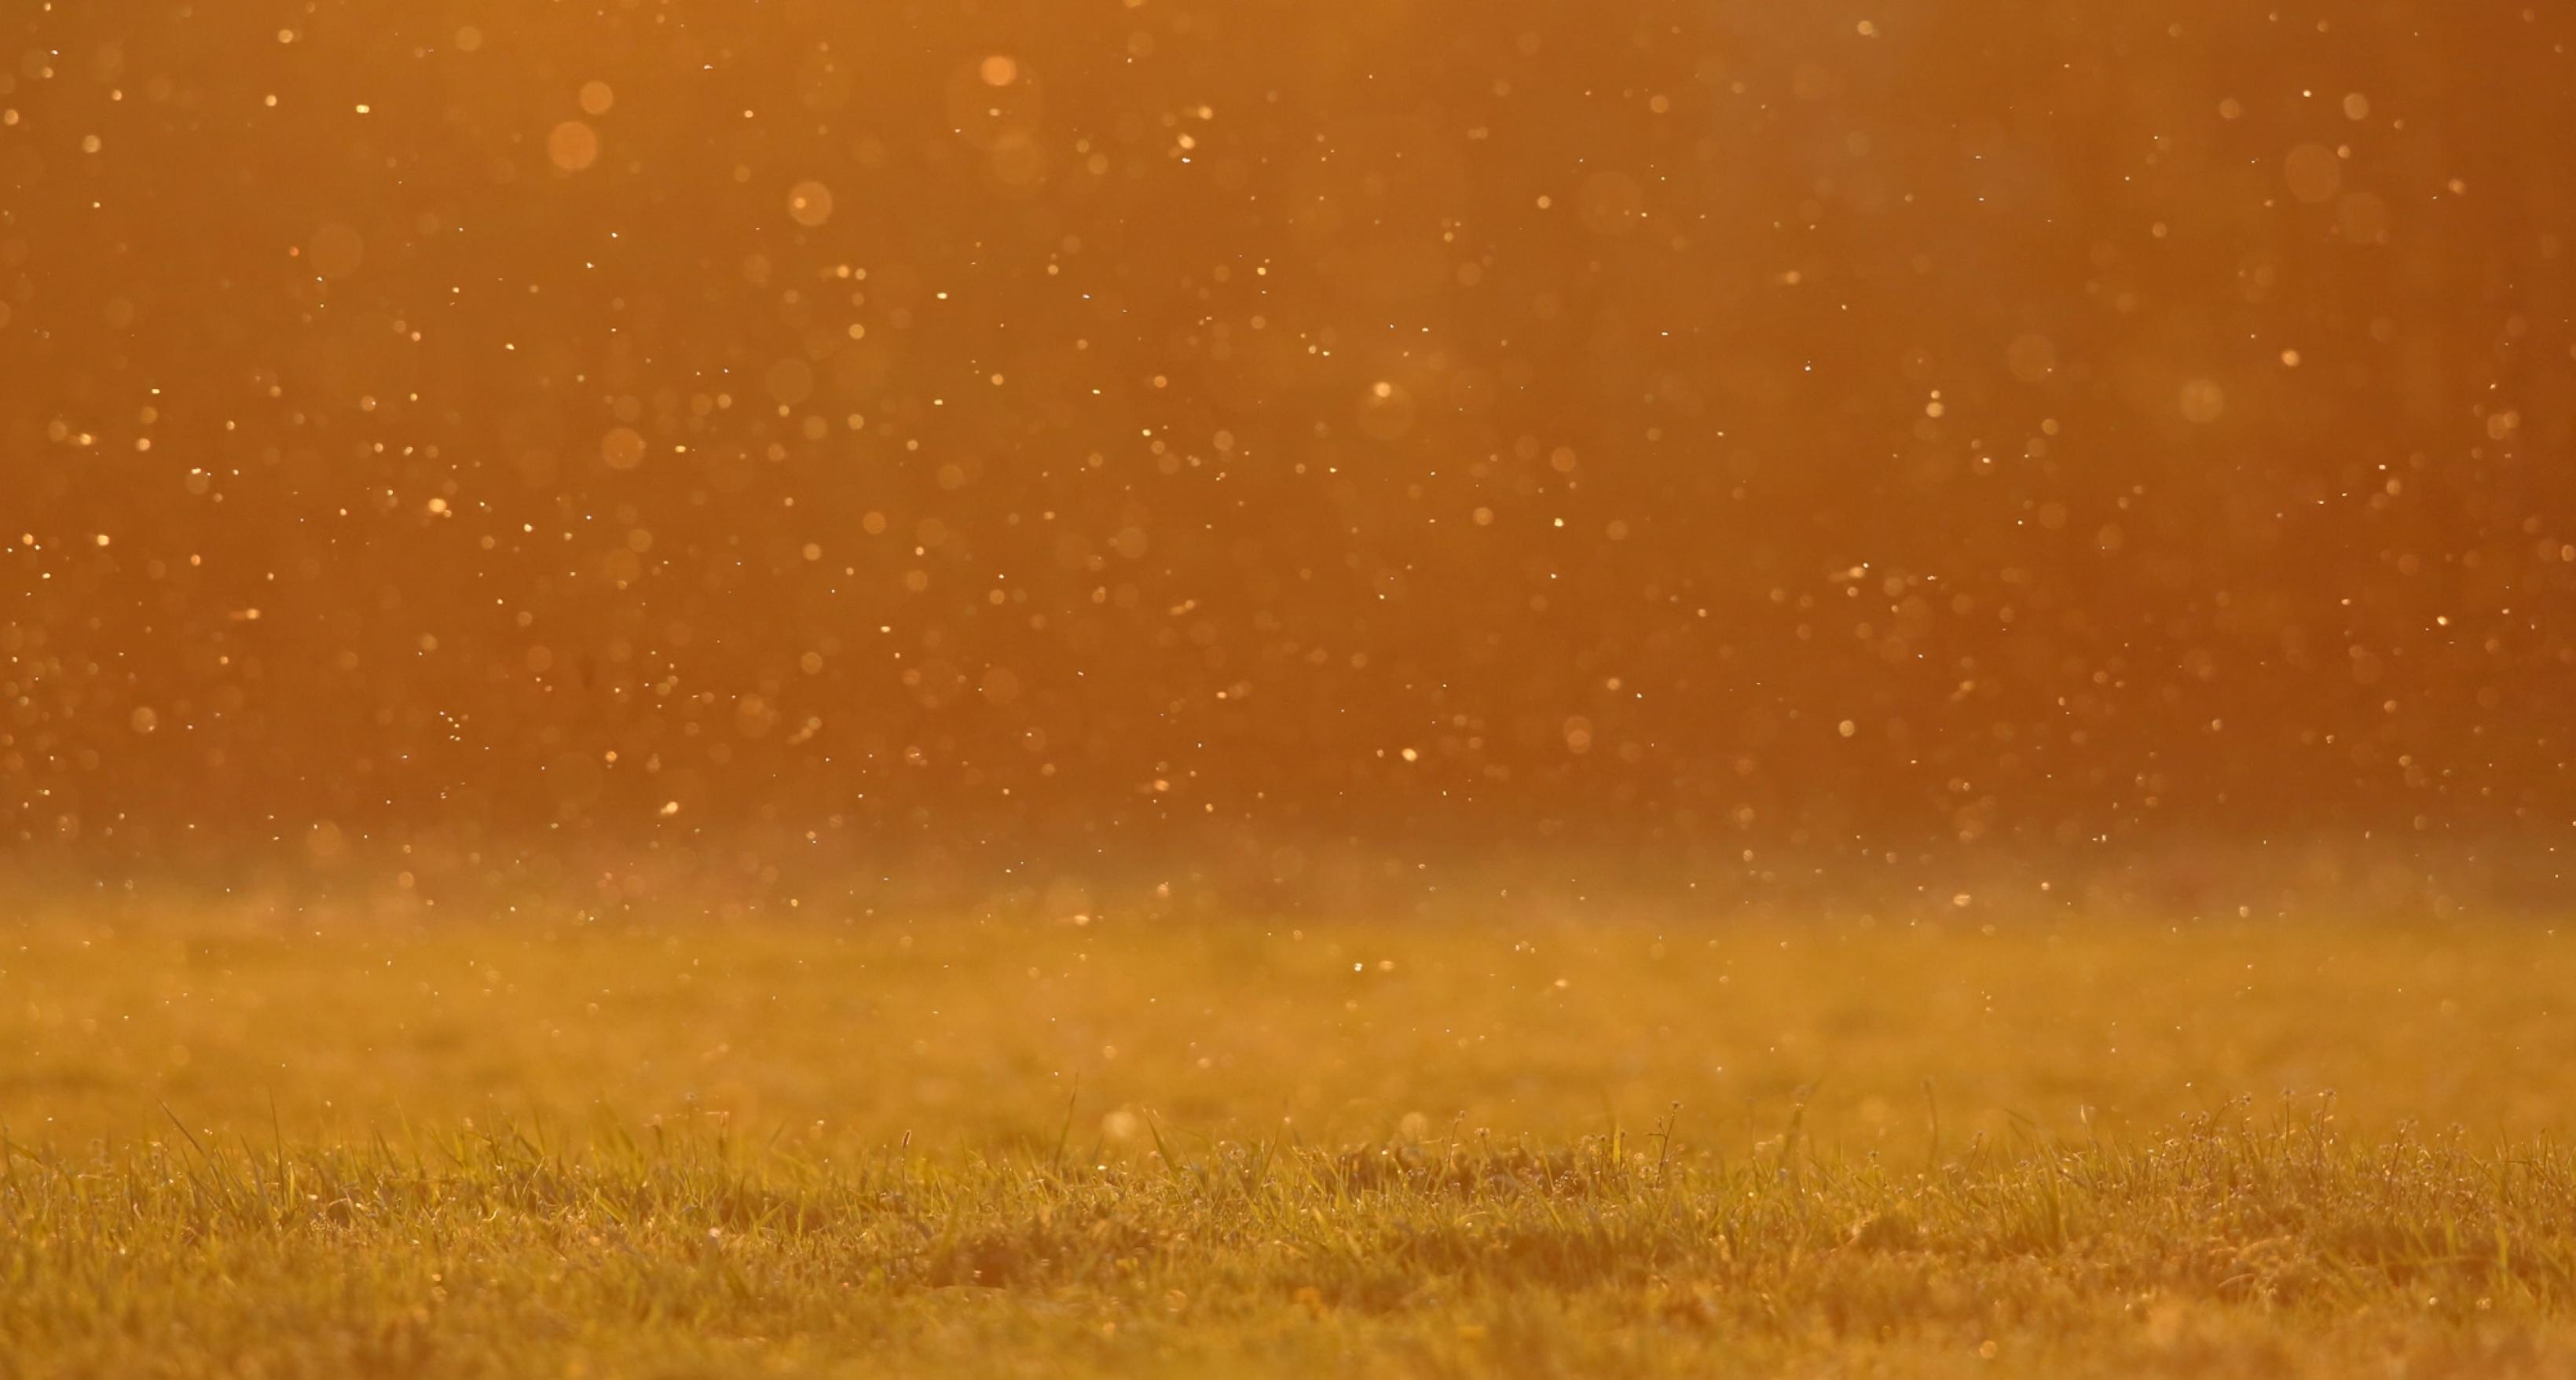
255 1141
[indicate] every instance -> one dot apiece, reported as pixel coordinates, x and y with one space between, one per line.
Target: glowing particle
572 146
2313 172
622 448
809 203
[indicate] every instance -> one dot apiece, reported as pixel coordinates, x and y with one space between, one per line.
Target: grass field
256 1140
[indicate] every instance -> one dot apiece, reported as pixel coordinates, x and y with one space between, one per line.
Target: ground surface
246 1139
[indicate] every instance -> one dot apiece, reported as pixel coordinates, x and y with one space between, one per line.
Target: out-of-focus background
638 442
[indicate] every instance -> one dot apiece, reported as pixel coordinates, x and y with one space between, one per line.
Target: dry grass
529 1145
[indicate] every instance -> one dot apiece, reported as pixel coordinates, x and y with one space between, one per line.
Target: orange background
1057 429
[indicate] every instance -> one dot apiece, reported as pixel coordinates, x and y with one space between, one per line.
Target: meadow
305 1140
